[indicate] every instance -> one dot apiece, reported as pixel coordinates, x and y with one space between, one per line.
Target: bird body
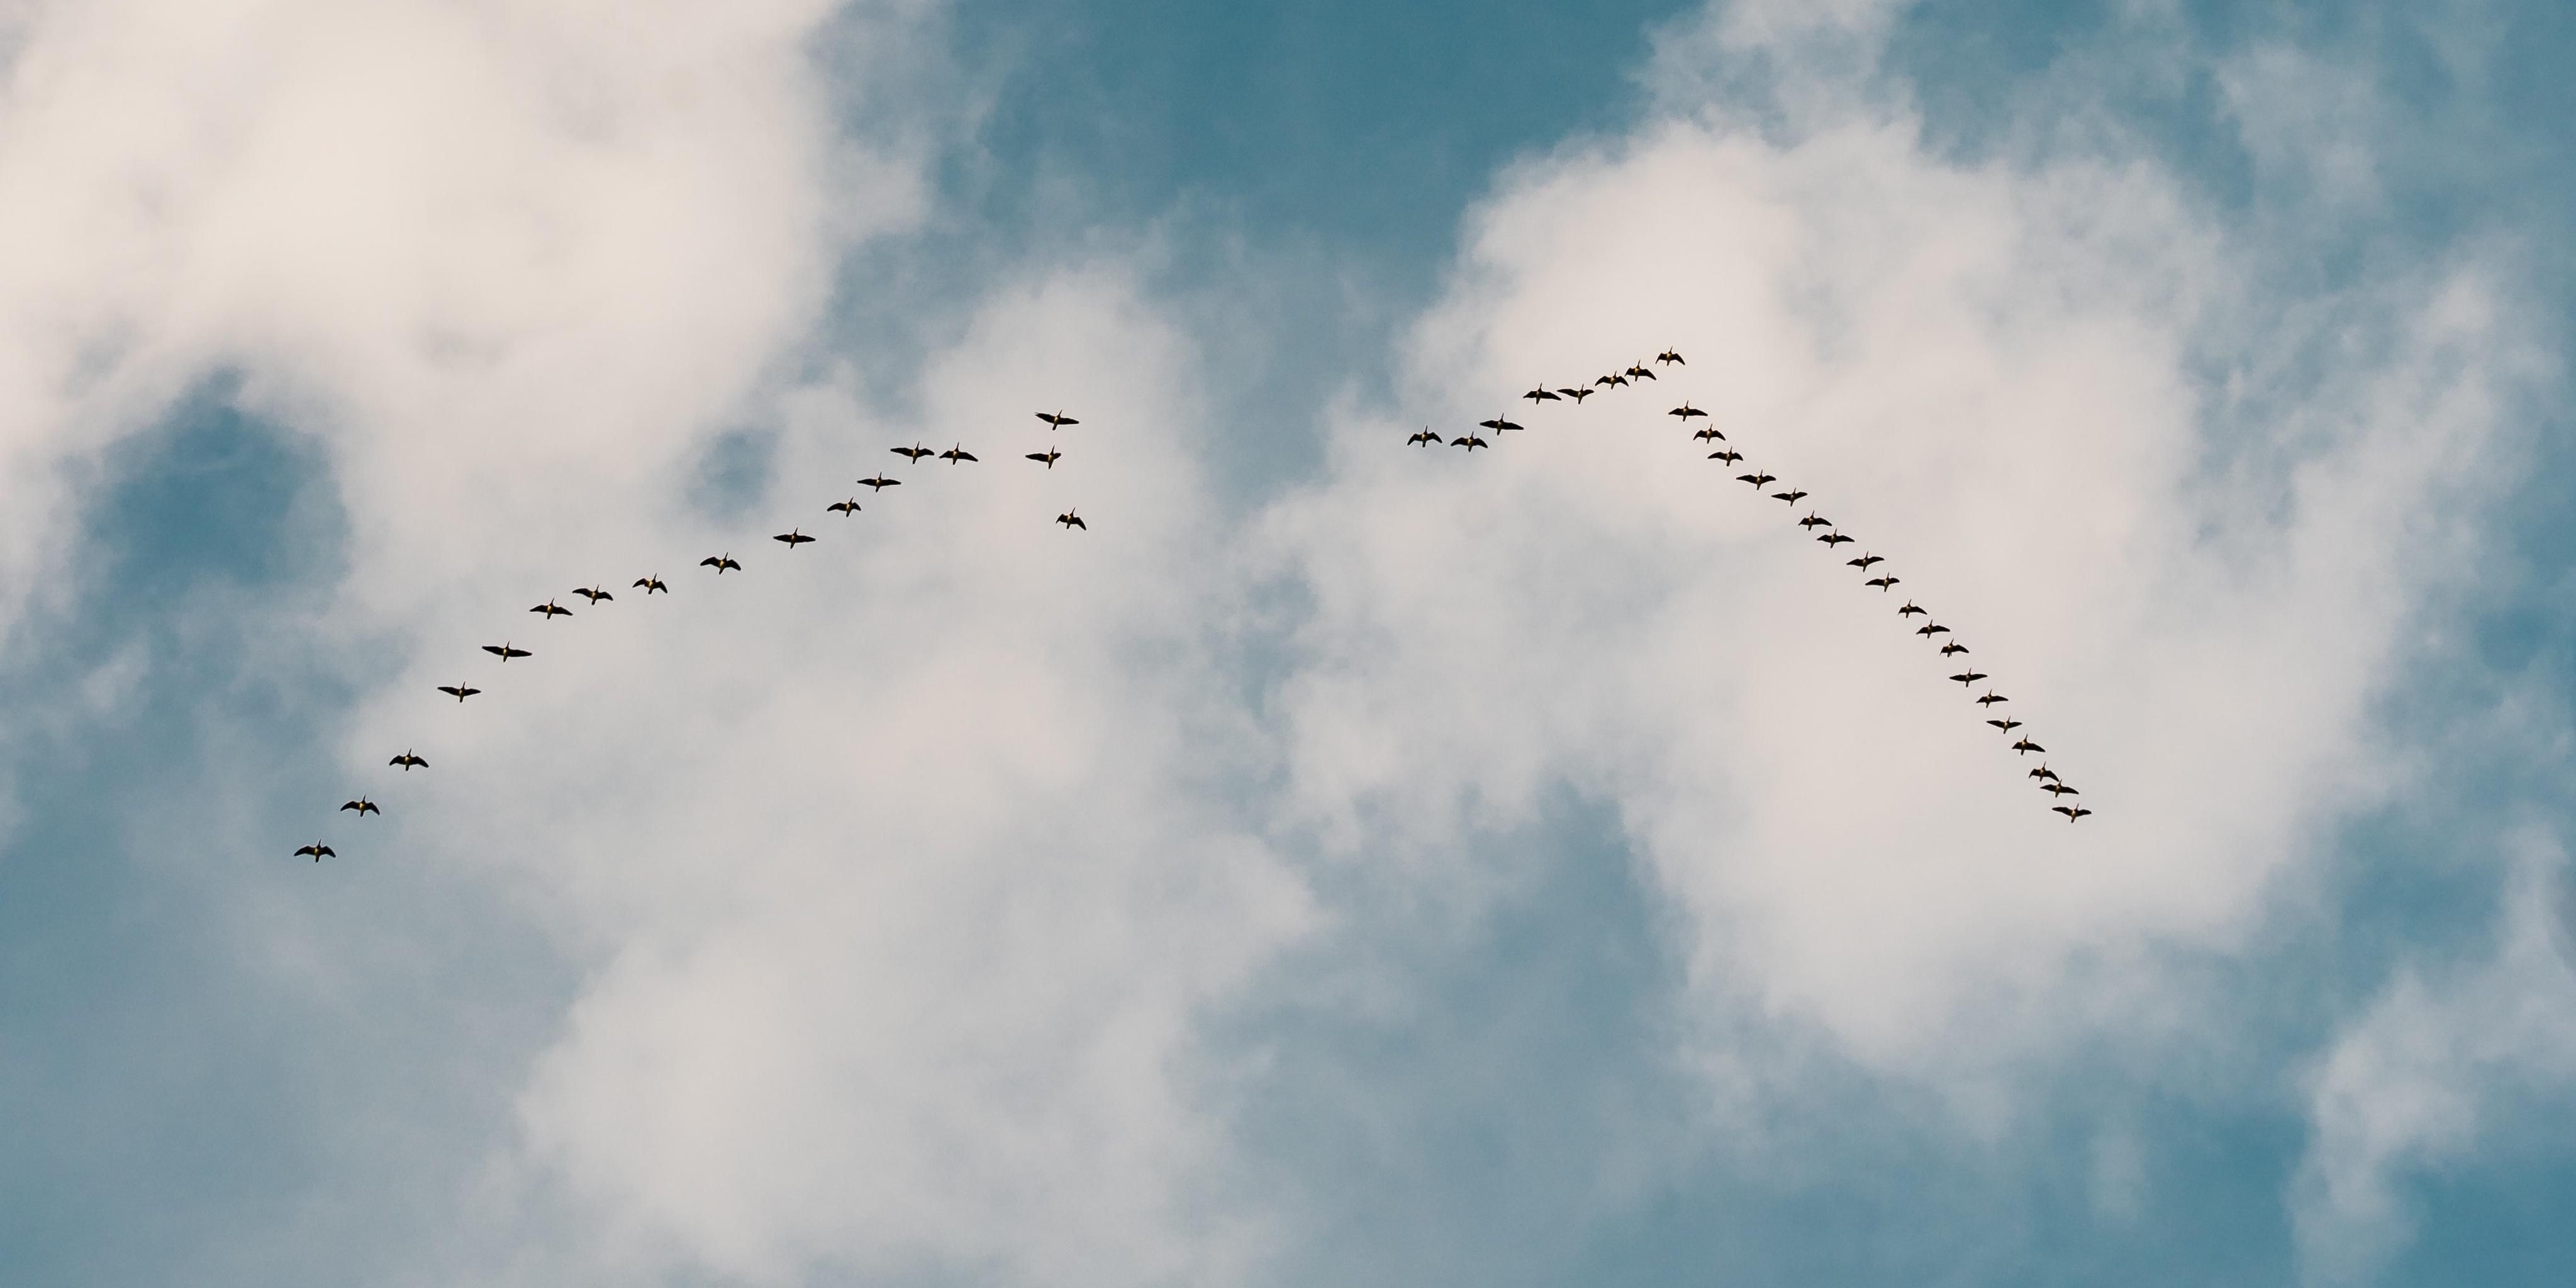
504 652
2044 772
1883 582
1953 646
913 453
1578 394
1071 521
1423 439
651 584
1832 539
2072 812
1612 379
844 508
318 850
1931 628
1669 356
1057 419
1497 424
1758 479
879 482
1911 609
1469 441
461 691
1686 412
1968 677
1792 496
408 761
1992 698
363 806
793 537
2007 724
2025 746
957 454
1709 434
720 563
593 593
1050 456
551 610
1865 561
1814 520
1730 456
1542 394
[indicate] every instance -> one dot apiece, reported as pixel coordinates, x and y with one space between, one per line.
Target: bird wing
493 649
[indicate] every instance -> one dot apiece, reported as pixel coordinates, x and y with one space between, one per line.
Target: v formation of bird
651 584
1708 434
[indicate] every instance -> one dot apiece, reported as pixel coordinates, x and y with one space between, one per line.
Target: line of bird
1708 434
652 584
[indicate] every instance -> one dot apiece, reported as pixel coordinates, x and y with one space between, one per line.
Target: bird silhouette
1424 438
2007 724
504 652
2058 787
363 806
551 610
794 537
1864 562
1730 456
408 761
1931 628
1498 424
2072 812
1709 434
879 482
319 851
1882 581
651 584
1968 677
913 453
1758 479
845 509
1469 441
1686 412
2025 746
1814 520
1792 496
1578 394
1670 357
1050 456
1057 420
593 593
1912 609
1832 539
1614 378
1992 698
1953 646
720 563
461 691
1542 394
1071 521
2044 772
957 454
1640 372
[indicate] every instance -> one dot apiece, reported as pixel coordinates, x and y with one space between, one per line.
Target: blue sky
1346 865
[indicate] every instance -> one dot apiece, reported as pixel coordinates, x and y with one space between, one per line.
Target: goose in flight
2025 746
720 563
1578 394
461 691
1422 438
1686 412
1992 698
879 482
651 584
551 610
2072 812
1883 581
1469 441
1497 424
1709 433
913 453
1758 479
2044 772
1542 394
1668 356
363 806
1864 561
957 454
2056 786
408 761
1928 629
794 537
2007 724
844 508
1792 496
504 652
1057 419
593 593
1968 677
1614 378
1912 609
1050 456
1815 520
1953 646
1640 372
319 851
1730 456
1832 539
1071 521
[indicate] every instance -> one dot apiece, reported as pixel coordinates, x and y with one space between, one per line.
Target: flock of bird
1832 538
651 584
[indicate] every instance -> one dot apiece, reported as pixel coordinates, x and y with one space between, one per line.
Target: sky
1343 862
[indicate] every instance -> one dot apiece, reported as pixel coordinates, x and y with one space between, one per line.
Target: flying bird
318 850
1050 456
1814 520
1057 420
956 454
1792 496
2044 772
1911 609
2025 746
1613 378
1730 456
1469 441
913 453
1542 394
794 537
1968 677
1864 562
551 610
2072 812
879 482
363 806
844 508
1424 438
720 563
1071 520
1882 581
461 691
1953 646
1686 412
1640 372
651 584
593 593
1832 539
1931 628
1709 433
408 761
1758 479
1670 357
2058 787
1578 394
504 652
1497 424
2007 725
1992 698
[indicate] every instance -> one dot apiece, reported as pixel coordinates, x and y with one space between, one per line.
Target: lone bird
2072 812
1832 539
1864 562
1497 424
1050 456
504 652
1709 434
1730 456
1542 394
1422 438
593 593
1469 441
1057 419
1931 628
2025 746
1578 394
1968 677
462 691
956 454
1686 412
2006 724
551 611
1953 646
408 761
794 537
2044 772
1992 698
1911 609
1071 520
363 806
1758 479
844 508
913 453
879 482
651 584
1883 581
318 850
1792 496
720 563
